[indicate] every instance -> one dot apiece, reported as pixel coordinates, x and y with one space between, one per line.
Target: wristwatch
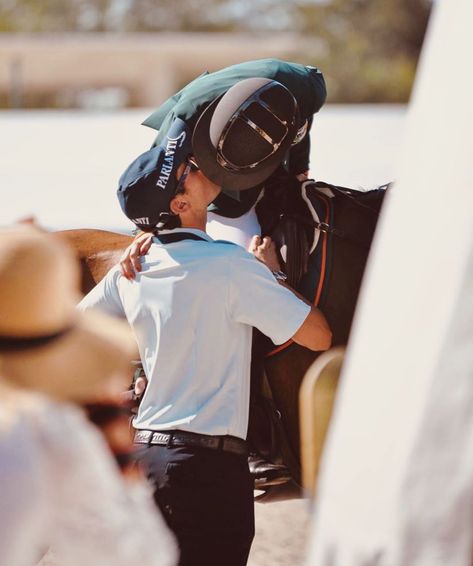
280 276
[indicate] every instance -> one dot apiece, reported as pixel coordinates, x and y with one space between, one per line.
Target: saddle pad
313 284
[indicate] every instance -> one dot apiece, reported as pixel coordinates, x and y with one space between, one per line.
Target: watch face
280 275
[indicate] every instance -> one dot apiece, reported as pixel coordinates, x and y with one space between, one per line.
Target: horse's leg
265 463
285 371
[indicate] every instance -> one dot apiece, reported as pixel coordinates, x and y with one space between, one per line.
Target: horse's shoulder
88 241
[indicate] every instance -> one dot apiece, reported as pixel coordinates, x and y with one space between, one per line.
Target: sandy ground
281 533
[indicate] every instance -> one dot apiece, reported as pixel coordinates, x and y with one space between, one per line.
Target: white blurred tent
397 479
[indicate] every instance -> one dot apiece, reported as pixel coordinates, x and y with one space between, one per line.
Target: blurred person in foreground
63 498
235 120
192 308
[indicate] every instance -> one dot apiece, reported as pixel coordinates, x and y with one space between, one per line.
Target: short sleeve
105 296
257 299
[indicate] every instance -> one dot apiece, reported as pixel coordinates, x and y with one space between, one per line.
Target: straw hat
45 343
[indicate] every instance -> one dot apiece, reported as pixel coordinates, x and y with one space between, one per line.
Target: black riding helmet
243 135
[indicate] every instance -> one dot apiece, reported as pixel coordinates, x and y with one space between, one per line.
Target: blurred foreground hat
46 344
148 185
242 136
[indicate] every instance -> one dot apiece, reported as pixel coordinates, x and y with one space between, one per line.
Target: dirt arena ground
281 533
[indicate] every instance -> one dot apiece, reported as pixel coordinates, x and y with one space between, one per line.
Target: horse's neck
88 242
97 250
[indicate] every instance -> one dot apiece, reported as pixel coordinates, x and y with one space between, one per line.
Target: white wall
397 478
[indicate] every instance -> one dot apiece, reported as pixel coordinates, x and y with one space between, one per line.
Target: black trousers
206 498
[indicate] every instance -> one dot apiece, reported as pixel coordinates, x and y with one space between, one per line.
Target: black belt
181 438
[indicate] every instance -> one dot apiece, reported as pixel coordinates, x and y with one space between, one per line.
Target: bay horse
342 223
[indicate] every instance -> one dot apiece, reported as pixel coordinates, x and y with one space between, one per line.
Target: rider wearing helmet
225 110
246 121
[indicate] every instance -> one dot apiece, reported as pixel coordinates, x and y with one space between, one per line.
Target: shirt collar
195 231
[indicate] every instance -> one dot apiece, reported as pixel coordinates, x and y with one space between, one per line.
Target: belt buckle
160 438
142 435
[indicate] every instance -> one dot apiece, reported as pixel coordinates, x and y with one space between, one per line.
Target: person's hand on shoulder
130 262
264 249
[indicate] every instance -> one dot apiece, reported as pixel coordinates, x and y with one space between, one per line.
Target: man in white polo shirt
192 308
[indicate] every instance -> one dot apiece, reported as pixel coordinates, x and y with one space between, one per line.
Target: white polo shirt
192 309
